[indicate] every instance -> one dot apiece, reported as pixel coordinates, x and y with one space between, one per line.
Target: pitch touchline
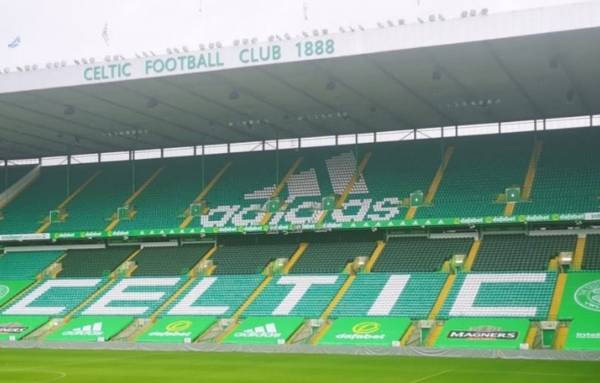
430 376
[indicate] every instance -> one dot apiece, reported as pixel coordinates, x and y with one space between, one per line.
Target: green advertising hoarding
483 333
581 305
581 298
177 329
583 335
264 330
90 329
366 331
286 227
14 327
9 289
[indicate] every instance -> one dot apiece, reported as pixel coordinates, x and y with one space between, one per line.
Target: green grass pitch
44 366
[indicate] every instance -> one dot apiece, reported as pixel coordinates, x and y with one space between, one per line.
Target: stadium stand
568 176
27 211
228 291
93 262
27 264
419 254
519 252
167 261
59 298
11 174
150 293
331 257
249 258
500 295
415 300
591 259
164 202
480 170
416 162
249 183
94 207
309 305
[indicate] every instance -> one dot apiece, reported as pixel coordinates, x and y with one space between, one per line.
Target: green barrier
391 224
264 330
177 329
483 333
581 299
366 331
9 289
90 329
16 327
583 335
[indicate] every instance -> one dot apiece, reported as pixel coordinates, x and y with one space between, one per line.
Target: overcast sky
54 30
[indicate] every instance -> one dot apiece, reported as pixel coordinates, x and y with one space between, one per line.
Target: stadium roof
542 65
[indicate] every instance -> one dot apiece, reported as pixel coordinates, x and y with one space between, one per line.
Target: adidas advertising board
90 329
264 330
